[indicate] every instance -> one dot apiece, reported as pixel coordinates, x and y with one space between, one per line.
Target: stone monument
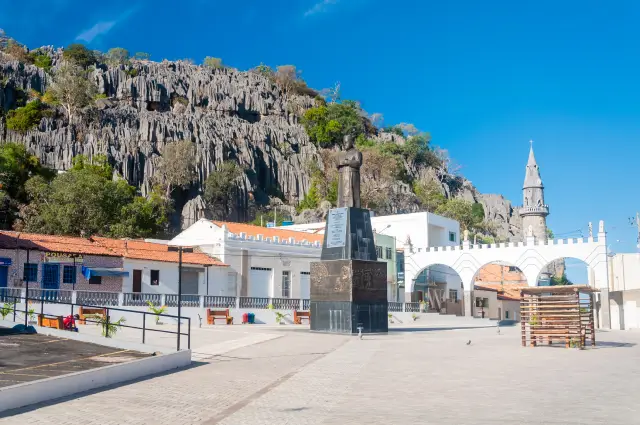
349 285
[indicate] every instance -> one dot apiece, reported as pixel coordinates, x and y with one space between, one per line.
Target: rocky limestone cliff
227 114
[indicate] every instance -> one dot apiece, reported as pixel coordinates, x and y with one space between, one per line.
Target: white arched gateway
531 257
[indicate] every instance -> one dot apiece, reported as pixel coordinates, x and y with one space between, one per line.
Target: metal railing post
106 329
144 322
189 335
14 308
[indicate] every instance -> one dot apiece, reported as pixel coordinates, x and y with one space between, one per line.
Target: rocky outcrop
225 113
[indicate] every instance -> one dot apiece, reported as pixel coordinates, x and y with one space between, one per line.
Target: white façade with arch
530 257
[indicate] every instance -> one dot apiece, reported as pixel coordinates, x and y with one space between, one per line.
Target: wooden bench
212 315
50 322
88 311
299 315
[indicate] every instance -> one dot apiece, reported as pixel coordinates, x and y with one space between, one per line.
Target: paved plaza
424 375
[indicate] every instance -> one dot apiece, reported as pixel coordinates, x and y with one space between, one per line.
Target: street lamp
179 249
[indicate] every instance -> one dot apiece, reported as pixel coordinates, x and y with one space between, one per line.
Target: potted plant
6 310
414 317
390 318
111 327
31 314
280 317
157 311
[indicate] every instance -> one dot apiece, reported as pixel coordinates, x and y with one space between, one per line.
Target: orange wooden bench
212 315
50 322
89 311
299 315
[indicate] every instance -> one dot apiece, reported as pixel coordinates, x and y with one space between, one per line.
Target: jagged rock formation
227 114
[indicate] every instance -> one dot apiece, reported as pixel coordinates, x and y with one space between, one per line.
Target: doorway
137 281
4 273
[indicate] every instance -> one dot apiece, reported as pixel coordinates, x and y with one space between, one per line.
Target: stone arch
435 283
500 263
590 272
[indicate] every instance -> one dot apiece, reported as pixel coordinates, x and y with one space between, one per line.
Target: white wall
624 272
169 277
416 225
277 256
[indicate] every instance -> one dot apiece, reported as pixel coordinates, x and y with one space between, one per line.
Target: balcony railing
128 299
395 307
136 299
214 301
187 300
285 303
97 298
254 302
54 295
412 307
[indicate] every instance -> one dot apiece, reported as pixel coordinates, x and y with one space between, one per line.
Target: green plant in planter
112 327
280 317
156 310
414 317
390 317
6 310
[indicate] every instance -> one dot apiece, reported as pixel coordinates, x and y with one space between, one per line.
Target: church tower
534 211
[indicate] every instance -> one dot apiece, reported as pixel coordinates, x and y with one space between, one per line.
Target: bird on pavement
498 330
469 342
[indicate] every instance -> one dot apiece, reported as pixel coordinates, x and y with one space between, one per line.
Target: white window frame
286 277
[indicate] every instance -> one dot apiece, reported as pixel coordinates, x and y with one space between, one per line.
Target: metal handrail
107 308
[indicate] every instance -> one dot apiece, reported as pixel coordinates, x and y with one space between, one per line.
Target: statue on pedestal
590 230
349 163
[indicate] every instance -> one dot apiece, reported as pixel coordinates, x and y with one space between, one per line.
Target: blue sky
482 77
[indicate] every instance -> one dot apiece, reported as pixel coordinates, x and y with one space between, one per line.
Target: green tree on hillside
86 201
459 210
220 188
176 166
73 89
429 195
117 56
214 63
78 54
26 117
326 125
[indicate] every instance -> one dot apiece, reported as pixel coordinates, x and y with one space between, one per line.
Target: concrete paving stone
424 376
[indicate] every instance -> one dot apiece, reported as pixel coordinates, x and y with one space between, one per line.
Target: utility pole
180 250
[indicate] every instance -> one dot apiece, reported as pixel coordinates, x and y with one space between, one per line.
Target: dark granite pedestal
347 294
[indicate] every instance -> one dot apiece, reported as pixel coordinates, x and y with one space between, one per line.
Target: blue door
51 276
4 272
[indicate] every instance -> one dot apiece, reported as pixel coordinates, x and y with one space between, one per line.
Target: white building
263 262
153 269
624 287
415 233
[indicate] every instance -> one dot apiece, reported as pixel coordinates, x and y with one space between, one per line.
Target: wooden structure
299 315
51 322
563 314
212 315
88 312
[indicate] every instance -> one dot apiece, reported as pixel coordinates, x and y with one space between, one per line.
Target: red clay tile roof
141 250
269 232
506 292
133 249
50 243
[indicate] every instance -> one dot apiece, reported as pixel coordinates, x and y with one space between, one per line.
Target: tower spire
532 177
534 211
